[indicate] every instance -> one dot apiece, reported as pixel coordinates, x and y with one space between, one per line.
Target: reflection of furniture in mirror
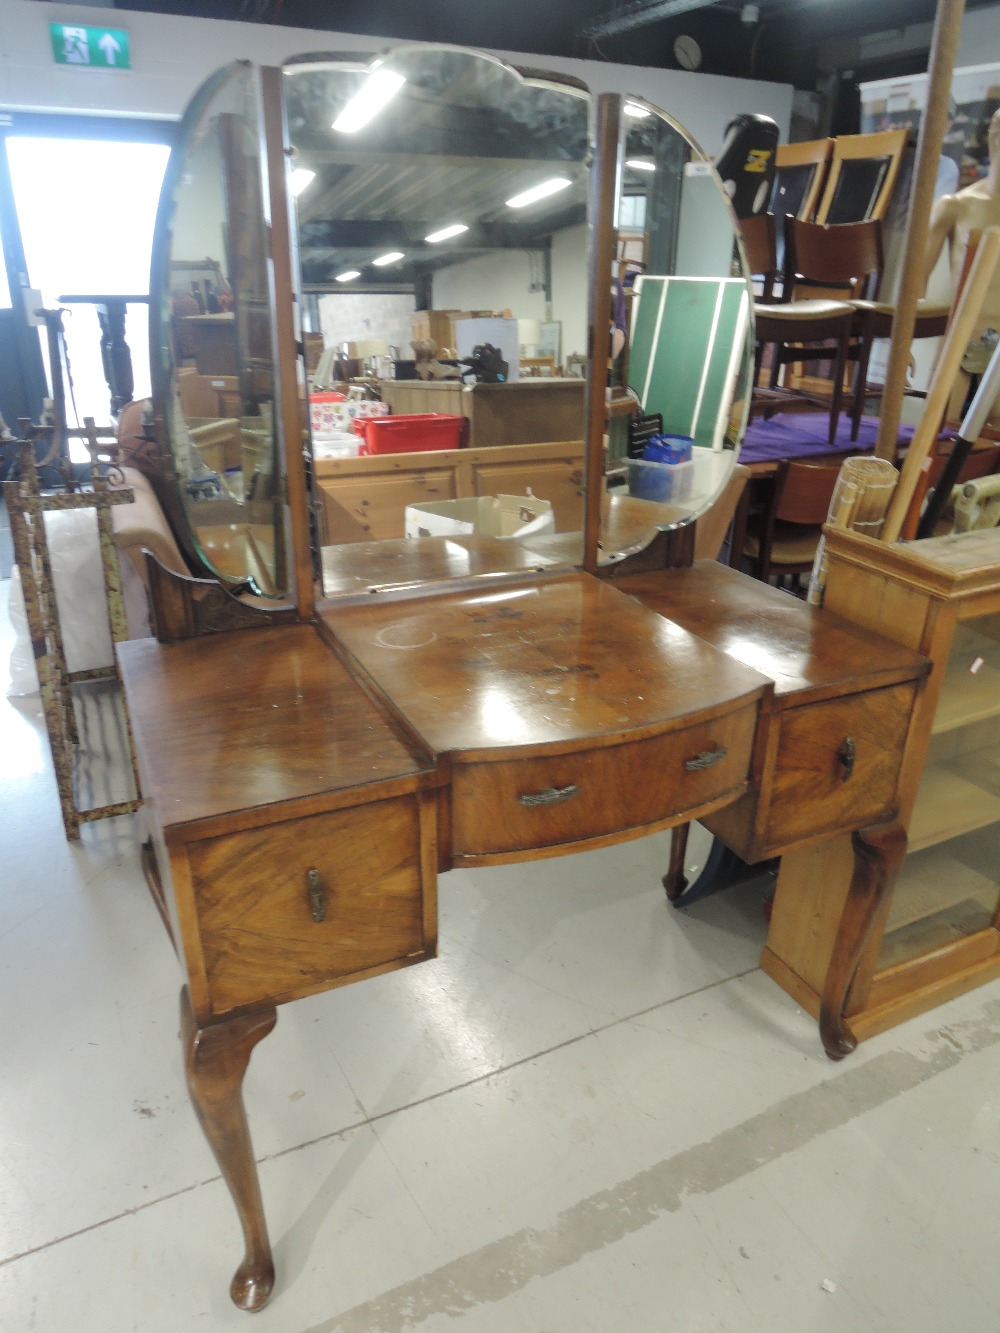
938 933
365 499
862 175
440 701
528 412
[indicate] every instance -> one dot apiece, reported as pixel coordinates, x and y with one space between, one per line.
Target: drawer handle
705 760
550 796
317 896
846 756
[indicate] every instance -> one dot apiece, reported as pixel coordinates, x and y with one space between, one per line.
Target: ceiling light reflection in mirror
461 188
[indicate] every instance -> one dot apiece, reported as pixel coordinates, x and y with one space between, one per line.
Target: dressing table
314 753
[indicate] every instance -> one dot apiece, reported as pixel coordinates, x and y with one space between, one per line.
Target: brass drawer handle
705 760
317 896
550 796
846 757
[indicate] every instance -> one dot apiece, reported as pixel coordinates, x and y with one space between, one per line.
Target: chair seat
806 311
925 308
790 545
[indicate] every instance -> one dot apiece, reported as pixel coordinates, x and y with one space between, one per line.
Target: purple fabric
804 435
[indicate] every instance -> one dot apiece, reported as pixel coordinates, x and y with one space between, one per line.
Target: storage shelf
954 798
943 894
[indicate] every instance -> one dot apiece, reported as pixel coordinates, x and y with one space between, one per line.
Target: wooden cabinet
306 856
937 935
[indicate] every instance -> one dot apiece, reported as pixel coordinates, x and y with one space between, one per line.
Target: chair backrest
760 243
862 175
800 171
803 492
846 258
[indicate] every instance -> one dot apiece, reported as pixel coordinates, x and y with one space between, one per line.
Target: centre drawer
545 801
295 907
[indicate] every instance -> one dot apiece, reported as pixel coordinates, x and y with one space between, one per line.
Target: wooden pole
934 122
603 183
948 364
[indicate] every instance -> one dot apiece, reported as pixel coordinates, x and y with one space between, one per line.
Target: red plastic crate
409 434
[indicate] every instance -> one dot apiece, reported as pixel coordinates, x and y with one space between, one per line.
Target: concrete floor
591 1112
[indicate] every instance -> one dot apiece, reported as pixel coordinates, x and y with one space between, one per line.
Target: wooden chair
874 319
781 541
759 236
799 175
862 176
827 270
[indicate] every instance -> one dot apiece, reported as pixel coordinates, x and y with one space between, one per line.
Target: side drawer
273 930
837 764
522 804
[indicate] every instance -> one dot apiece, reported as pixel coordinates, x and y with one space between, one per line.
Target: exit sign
100 48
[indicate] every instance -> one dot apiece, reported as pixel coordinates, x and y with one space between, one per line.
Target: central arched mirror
681 356
441 218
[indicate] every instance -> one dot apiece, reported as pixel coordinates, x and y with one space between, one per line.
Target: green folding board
688 340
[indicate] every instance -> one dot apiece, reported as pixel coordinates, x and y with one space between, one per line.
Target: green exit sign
100 48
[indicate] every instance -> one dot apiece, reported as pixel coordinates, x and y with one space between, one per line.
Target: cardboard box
487 516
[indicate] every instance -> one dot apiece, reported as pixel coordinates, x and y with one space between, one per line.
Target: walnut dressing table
314 754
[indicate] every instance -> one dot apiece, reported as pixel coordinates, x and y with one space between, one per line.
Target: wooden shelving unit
939 932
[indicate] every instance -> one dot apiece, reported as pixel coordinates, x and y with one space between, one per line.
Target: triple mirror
447 267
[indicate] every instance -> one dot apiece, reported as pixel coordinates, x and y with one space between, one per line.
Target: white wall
360 316
169 63
980 40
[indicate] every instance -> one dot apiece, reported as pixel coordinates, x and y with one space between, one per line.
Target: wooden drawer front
811 792
616 788
253 902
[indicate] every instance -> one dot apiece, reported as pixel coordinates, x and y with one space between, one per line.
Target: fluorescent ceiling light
636 111
640 164
537 192
349 276
446 233
379 88
299 179
628 16
390 258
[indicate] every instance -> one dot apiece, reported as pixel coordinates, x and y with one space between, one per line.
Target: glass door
948 887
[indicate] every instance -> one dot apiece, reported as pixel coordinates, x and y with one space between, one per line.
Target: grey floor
591 1112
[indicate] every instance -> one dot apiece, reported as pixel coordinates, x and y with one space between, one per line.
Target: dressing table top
557 660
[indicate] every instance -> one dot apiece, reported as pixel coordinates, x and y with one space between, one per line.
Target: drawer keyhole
846 757
317 896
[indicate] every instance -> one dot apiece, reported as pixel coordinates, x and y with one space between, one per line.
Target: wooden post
934 122
603 178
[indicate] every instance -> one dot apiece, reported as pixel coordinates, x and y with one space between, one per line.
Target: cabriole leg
878 854
215 1060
